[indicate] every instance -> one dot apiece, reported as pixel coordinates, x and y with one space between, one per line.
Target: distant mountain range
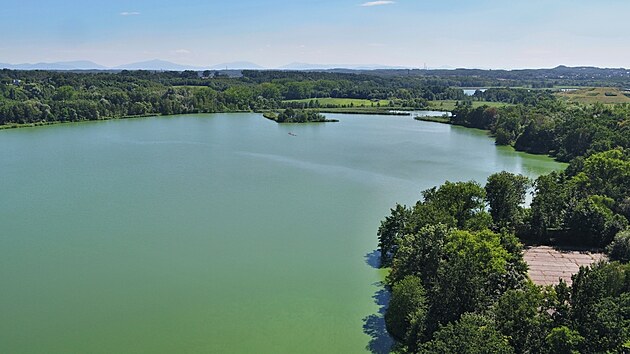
63 65
243 65
158 65
307 66
235 67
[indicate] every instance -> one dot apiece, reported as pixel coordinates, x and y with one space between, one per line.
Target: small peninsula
290 115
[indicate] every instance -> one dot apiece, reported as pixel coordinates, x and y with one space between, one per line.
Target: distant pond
471 92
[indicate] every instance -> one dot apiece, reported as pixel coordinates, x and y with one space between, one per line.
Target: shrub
619 249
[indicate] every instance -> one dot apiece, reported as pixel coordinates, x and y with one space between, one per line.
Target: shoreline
440 120
274 118
48 123
446 120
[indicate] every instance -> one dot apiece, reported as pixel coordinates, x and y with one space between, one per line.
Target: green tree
406 312
65 93
462 200
562 340
521 315
548 205
505 193
608 174
600 306
593 220
457 204
420 254
472 334
609 328
390 233
471 276
619 249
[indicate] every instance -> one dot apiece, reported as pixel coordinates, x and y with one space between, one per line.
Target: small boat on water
292 134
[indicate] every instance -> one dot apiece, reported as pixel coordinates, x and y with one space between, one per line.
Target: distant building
17 82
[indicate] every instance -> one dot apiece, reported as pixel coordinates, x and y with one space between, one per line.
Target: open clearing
547 265
606 95
343 102
442 105
449 105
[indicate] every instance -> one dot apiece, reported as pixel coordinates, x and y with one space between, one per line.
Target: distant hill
240 65
583 76
579 74
305 66
156 64
159 65
308 66
62 65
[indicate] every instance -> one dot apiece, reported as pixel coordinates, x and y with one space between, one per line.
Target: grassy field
449 105
343 102
605 95
365 110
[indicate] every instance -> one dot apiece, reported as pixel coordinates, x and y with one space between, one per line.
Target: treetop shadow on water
374 324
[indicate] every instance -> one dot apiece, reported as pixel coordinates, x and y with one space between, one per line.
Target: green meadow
343 102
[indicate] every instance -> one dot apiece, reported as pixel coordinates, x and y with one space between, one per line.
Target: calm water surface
212 233
471 92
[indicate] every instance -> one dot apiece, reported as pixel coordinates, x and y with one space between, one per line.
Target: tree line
51 96
553 127
43 96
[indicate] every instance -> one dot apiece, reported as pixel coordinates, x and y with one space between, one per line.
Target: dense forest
535 78
28 97
551 126
40 96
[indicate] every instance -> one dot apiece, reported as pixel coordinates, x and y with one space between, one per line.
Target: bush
406 314
619 249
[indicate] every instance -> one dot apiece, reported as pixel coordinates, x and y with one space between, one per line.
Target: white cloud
182 51
129 13
377 3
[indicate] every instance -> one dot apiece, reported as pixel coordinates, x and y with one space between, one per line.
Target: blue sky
456 33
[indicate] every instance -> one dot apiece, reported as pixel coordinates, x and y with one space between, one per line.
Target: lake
471 92
213 233
425 113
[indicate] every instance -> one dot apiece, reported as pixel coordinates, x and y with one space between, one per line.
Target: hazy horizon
237 66
486 34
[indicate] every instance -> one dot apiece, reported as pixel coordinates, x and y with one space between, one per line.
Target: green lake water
213 233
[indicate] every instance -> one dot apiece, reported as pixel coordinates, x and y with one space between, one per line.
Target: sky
489 34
